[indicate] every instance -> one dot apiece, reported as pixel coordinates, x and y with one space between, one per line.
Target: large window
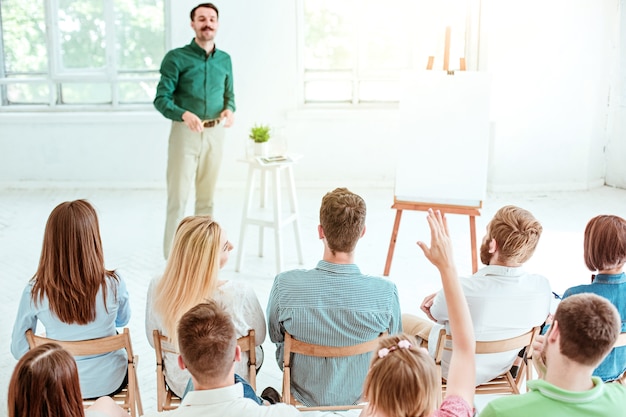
81 53
356 51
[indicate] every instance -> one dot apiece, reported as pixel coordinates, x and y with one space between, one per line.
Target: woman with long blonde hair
200 249
75 297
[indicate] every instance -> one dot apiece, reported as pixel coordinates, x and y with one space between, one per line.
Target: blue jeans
248 392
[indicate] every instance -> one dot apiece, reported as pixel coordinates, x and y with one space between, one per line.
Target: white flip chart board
443 155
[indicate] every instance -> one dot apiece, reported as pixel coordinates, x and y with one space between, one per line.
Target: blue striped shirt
331 305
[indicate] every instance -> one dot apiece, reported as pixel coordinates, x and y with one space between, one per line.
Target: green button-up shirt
193 81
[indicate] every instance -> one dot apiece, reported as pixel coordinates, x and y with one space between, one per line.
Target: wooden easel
470 210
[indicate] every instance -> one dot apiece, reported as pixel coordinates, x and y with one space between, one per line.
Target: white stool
277 221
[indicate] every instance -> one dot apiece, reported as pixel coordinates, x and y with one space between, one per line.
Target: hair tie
402 344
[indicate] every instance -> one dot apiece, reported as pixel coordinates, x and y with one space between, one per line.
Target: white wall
616 147
553 65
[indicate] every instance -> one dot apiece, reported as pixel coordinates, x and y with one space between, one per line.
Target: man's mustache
207 27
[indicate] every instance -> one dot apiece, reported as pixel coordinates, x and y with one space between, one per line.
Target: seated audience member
200 249
504 300
75 297
45 383
403 380
333 305
605 252
583 332
208 350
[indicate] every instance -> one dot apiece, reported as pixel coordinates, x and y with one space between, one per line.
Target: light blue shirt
99 375
331 305
613 288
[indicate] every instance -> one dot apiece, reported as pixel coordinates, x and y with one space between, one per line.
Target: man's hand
427 304
193 122
229 116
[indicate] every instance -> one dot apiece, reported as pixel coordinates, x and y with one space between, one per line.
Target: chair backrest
505 383
129 398
292 345
166 399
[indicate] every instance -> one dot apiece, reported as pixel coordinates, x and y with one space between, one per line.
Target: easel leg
473 238
392 243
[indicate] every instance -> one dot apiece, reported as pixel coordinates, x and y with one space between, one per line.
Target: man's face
205 24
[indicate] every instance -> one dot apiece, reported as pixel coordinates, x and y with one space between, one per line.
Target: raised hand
440 251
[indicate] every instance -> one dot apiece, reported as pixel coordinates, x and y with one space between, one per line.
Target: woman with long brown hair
45 383
75 297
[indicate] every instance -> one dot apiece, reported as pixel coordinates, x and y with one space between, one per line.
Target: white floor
132 224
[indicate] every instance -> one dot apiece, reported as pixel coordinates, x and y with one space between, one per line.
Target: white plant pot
261 149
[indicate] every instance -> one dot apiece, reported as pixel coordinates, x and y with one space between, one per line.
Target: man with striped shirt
332 305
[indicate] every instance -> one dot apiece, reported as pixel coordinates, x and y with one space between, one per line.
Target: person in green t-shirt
196 93
584 330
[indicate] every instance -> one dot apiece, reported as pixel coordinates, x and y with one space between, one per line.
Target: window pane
379 90
328 91
24 36
140 38
28 93
328 34
137 91
82 34
86 93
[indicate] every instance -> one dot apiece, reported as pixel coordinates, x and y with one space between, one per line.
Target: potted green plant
260 134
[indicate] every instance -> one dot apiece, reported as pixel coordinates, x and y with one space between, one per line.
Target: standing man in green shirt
196 93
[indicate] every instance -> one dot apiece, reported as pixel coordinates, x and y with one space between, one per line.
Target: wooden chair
129 398
166 399
505 383
292 345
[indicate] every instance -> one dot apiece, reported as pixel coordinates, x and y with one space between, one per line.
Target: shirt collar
612 278
338 268
213 396
503 271
199 50
551 391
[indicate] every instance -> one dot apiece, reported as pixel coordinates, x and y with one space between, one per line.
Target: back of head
190 275
516 232
342 216
588 326
402 380
71 268
45 383
207 341
605 243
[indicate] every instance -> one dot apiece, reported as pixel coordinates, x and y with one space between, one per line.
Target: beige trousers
418 327
191 155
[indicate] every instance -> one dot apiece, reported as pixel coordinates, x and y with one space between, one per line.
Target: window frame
472 38
55 75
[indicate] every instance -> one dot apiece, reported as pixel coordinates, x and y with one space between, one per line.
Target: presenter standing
196 93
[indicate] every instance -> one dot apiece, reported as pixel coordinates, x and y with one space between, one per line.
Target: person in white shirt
504 300
208 350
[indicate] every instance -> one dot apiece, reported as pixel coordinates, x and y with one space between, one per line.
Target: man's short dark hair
342 216
588 326
209 5
207 341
